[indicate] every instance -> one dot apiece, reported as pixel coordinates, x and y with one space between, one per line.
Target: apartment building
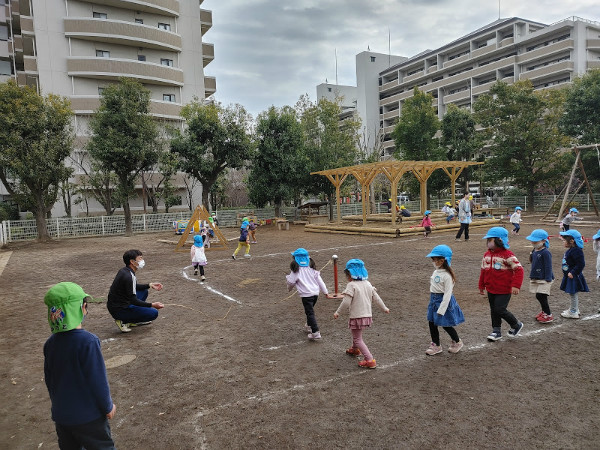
508 49
75 48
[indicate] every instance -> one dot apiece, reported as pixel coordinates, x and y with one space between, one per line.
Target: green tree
459 138
124 137
521 126
36 137
327 144
581 120
278 166
216 138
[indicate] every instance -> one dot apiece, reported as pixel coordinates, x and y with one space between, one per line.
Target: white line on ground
207 287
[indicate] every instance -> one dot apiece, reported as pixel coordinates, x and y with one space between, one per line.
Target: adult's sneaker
314 336
568 314
367 364
124 327
137 324
545 318
456 346
516 330
494 336
433 349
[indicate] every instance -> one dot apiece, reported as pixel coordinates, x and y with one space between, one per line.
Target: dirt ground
227 363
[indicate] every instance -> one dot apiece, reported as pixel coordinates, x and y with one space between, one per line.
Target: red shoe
540 314
353 351
545 318
367 364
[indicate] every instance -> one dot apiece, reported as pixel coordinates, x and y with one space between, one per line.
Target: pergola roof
393 170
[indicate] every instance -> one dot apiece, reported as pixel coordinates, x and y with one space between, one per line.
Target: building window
372 58
102 54
3 33
169 98
328 89
139 20
164 26
5 68
98 15
141 57
100 90
166 62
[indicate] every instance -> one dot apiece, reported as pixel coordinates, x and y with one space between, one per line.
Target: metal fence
72 227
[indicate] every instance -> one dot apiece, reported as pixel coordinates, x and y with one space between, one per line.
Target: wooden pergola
393 170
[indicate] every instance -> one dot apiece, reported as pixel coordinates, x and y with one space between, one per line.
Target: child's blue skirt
575 284
453 316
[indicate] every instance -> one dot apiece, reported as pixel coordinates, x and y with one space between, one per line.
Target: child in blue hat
572 266
501 276
571 216
443 310
426 223
516 220
198 256
307 280
541 276
244 240
358 297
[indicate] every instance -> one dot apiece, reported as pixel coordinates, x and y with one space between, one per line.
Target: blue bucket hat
427 212
441 251
357 269
198 242
597 235
518 208
575 235
574 210
244 225
498 232
301 257
539 235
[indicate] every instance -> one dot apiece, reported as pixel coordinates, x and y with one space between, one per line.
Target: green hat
64 301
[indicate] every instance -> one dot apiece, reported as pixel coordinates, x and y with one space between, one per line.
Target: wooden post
564 201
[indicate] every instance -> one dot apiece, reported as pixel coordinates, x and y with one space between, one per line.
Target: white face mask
141 264
435 266
538 245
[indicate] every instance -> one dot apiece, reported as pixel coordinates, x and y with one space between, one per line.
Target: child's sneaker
353 351
545 318
314 336
494 336
433 349
202 278
307 328
195 271
516 330
568 314
247 255
367 364
233 257
540 314
124 327
456 346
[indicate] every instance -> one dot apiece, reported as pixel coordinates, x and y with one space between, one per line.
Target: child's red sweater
500 272
426 222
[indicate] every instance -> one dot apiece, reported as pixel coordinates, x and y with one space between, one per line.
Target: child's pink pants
357 342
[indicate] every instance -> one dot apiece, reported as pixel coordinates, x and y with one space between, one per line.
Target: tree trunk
205 193
530 199
127 213
40 219
278 208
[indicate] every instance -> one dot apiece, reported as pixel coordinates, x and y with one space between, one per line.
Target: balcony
547 50
208 53
83 104
113 69
593 65
210 86
456 61
563 66
593 44
30 64
162 7
205 20
457 96
388 85
506 41
26 25
413 76
482 88
483 51
120 32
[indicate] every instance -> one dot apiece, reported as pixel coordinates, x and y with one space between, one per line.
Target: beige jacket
358 297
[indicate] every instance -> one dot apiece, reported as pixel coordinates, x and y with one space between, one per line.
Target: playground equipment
201 215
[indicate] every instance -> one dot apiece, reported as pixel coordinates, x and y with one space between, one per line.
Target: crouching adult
127 298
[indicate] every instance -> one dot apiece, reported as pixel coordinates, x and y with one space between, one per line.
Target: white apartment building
362 100
508 49
75 48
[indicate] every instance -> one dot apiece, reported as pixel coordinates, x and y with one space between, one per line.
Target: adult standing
127 298
464 217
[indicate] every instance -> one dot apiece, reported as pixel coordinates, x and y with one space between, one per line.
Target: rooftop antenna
389 48
499 9
336 77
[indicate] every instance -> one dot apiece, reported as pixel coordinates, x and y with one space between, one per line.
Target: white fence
68 227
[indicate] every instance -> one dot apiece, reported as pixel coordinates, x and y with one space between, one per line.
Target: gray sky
270 52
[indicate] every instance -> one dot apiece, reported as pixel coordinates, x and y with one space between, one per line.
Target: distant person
516 220
357 299
244 240
427 224
127 298
449 211
464 217
565 224
252 230
198 256
573 262
75 374
404 212
307 280
443 310
501 276
541 276
596 247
